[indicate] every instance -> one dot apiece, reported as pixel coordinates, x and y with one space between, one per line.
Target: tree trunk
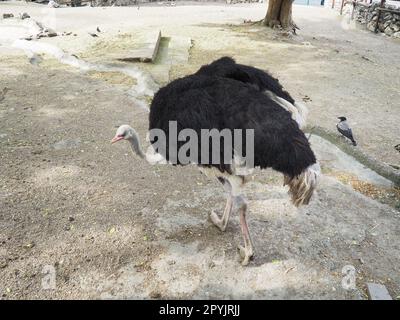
279 14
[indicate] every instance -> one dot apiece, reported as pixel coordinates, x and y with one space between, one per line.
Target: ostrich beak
116 139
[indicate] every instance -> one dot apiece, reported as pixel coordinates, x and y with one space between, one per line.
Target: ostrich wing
345 130
227 68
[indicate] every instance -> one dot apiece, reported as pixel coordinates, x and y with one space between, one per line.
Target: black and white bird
227 67
210 102
344 129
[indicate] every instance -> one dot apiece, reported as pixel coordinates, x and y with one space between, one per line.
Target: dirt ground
115 227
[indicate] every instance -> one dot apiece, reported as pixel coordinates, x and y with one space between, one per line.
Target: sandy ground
114 227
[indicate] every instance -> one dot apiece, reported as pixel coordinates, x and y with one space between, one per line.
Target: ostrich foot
246 253
217 221
222 222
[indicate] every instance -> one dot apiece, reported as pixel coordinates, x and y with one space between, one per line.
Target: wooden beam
389 10
379 15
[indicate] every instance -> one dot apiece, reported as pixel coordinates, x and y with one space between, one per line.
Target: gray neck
135 144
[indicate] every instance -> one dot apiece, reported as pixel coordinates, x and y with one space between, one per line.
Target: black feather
226 67
209 102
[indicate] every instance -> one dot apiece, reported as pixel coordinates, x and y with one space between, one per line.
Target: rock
389 31
155 295
386 24
395 27
29 245
3 93
25 16
7 15
378 291
396 35
3 264
371 26
47 33
389 22
53 4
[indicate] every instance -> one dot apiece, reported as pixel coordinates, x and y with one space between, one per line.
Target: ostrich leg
246 252
223 221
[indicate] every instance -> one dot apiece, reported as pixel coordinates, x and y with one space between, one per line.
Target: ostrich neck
136 147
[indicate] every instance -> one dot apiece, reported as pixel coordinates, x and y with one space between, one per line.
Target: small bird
345 130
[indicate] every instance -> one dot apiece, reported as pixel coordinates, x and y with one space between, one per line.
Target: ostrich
203 102
226 67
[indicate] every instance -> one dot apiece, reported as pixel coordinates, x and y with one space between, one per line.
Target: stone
389 31
7 15
389 22
378 291
395 27
396 35
53 4
371 26
147 50
387 16
25 16
386 24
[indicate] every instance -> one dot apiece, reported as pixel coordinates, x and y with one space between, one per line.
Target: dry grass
113 77
390 196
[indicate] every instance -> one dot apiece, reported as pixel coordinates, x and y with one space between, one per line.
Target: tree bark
279 14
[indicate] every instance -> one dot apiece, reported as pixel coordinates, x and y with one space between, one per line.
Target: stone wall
242 1
165 2
389 22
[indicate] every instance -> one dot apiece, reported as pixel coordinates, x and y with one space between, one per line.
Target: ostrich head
126 132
